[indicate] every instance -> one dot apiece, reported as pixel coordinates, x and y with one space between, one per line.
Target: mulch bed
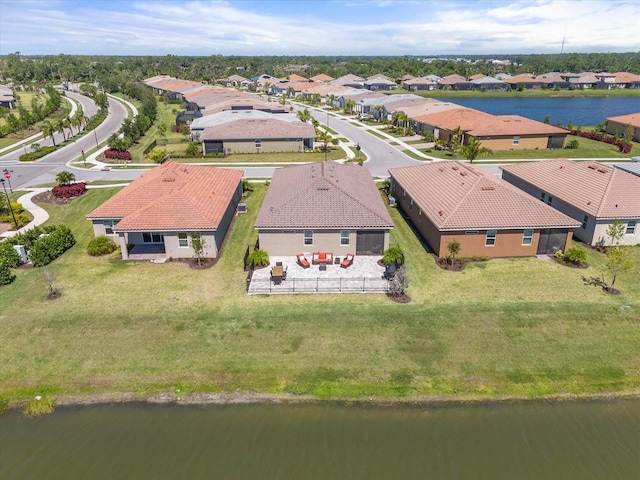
53 296
457 265
47 197
400 298
4 227
193 263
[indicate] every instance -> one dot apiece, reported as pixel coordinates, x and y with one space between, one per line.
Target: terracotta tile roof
477 76
418 81
294 77
421 112
258 128
323 195
509 125
462 117
597 189
453 79
631 119
249 102
523 78
172 197
456 196
321 78
626 77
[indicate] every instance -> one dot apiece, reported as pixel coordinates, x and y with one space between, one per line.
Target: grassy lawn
587 149
511 327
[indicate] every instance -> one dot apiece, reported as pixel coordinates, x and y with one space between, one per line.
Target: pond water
588 111
567 440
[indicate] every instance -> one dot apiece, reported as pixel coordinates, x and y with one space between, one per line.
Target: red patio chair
302 261
348 261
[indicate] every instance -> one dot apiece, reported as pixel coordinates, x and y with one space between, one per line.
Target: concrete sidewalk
40 215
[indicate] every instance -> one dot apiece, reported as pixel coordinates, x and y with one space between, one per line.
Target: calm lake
570 440
588 111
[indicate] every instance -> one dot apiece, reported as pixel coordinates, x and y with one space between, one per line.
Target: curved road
45 169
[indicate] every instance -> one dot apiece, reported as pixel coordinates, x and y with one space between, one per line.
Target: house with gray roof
199 124
592 193
7 99
488 83
448 201
323 207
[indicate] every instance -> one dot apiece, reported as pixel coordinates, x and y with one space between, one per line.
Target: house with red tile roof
156 214
622 124
592 193
448 201
323 207
321 77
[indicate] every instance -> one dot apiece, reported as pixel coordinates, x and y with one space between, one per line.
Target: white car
365 116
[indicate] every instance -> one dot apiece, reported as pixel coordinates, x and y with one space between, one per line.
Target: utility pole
7 175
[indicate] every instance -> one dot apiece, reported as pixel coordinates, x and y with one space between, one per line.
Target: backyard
499 329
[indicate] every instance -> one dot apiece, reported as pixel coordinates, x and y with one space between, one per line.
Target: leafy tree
454 249
158 155
619 257
65 178
473 150
185 131
193 149
198 245
399 283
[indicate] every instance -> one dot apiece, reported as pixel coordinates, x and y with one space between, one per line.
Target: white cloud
221 27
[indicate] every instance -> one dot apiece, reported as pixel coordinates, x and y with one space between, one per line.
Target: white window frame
108 226
183 242
516 140
631 227
490 240
585 220
345 238
307 238
527 236
258 142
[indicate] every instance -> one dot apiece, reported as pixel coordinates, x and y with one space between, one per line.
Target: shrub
393 254
101 245
8 255
69 191
47 248
573 144
259 258
16 207
576 255
193 150
6 277
117 155
21 218
28 157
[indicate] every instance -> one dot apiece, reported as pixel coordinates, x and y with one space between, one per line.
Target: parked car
365 116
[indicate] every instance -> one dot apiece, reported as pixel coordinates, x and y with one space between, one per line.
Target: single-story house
156 214
455 82
379 82
622 124
448 201
200 124
323 207
7 99
592 193
258 135
488 83
418 84
321 78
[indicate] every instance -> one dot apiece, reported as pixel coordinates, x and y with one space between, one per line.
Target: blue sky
317 27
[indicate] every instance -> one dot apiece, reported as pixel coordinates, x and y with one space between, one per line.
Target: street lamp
15 222
96 137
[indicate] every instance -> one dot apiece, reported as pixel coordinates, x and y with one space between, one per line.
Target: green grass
515 327
588 149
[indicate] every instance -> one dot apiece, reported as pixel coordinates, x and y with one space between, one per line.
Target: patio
364 275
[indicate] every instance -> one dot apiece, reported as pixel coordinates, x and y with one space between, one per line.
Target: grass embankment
502 328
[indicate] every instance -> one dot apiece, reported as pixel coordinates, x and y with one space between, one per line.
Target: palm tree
304 115
48 130
65 178
349 105
332 99
60 126
474 150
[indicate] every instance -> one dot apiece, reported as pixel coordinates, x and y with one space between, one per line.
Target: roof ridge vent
602 170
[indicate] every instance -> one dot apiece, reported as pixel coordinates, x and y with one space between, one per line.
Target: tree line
110 71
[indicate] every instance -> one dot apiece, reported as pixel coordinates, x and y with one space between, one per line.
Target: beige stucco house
157 213
323 207
592 193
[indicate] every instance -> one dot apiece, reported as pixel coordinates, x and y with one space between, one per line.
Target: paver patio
364 275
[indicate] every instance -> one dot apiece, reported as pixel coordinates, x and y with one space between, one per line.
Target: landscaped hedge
101 245
117 155
623 146
8 255
44 249
6 277
29 157
47 248
69 191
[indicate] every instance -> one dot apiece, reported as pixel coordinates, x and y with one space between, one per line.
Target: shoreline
253 398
